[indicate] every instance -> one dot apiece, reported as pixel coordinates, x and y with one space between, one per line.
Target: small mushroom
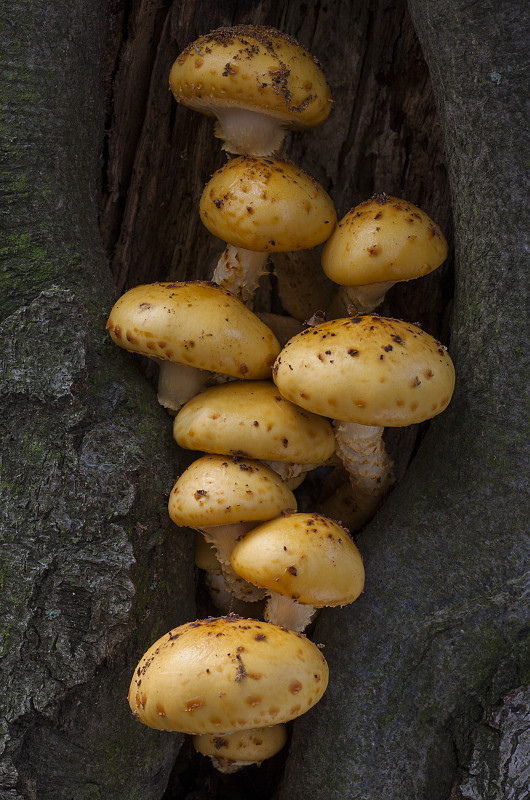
260 206
305 561
192 328
232 751
378 243
366 372
226 674
251 419
224 498
256 81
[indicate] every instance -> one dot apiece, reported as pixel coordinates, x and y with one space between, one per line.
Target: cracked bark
93 570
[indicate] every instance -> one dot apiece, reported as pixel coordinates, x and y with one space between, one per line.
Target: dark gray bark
93 571
91 568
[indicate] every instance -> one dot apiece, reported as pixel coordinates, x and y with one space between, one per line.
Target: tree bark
93 570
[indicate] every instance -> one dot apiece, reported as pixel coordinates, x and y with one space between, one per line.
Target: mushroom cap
195 323
254 68
367 369
224 674
266 205
216 490
382 240
251 419
252 745
305 556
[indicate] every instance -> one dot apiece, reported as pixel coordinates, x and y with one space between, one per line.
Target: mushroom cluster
267 403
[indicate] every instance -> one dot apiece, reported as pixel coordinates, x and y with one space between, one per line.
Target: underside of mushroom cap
255 68
194 323
224 674
251 419
367 369
267 205
218 490
383 240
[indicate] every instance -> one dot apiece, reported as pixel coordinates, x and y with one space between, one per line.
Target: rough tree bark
92 570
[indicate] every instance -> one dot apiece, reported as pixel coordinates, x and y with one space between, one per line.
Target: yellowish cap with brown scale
267 205
304 556
194 323
252 419
382 240
255 69
226 674
367 369
250 746
216 490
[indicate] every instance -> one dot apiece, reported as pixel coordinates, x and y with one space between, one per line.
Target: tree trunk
93 570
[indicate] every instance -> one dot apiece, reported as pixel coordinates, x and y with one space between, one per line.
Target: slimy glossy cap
216 490
384 239
225 674
195 323
252 419
267 205
367 369
304 556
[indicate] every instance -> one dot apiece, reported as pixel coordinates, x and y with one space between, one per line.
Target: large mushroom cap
252 419
304 556
266 205
226 674
195 323
382 240
366 369
216 490
253 68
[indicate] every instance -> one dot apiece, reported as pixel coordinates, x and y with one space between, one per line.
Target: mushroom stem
362 451
288 613
178 383
223 538
248 132
358 299
239 270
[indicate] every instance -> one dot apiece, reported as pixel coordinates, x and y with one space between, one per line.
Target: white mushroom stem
239 270
362 451
248 132
364 299
223 539
178 383
288 613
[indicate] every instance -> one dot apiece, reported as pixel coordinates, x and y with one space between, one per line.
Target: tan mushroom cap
252 419
225 674
384 239
304 556
216 490
367 369
254 68
194 323
266 205
251 746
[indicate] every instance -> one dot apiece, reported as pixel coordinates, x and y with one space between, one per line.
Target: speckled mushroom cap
384 239
254 68
252 419
216 490
252 745
266 205
195 323
366 369
305 556
225 674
